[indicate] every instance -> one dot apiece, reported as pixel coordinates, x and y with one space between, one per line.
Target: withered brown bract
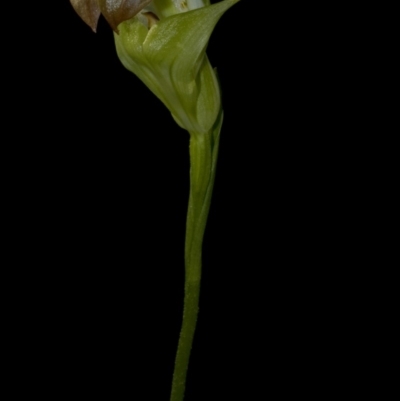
114 11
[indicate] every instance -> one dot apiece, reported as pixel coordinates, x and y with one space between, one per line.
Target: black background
97 186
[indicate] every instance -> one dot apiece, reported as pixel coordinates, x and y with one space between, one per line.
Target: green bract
169 57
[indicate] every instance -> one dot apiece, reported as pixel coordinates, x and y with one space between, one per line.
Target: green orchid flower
163 42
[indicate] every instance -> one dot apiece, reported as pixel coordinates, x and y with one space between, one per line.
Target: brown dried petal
117 11
88 10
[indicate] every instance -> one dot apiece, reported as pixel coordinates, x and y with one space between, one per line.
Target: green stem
203 157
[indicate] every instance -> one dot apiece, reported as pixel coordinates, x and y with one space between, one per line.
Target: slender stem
203 156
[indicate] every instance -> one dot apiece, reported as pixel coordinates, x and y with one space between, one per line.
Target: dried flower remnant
114 11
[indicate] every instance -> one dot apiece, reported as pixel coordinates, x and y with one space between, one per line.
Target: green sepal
170 59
